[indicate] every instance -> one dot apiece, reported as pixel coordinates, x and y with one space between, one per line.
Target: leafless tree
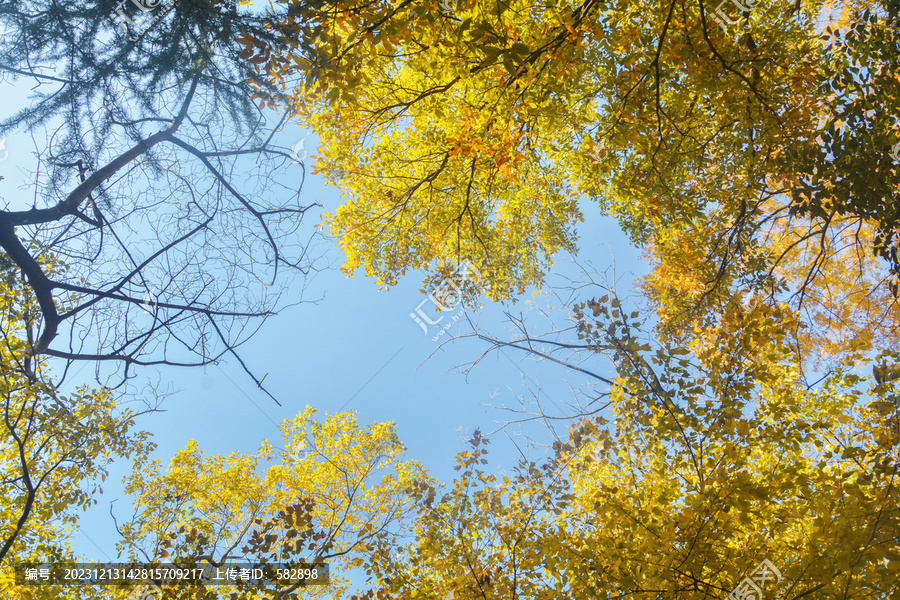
163 222
545 335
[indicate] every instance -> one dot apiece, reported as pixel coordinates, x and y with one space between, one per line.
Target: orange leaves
847 304
452 118
490 141
255 50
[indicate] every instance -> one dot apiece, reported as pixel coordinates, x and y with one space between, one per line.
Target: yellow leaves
465 91
348 481
831 287
847 305
465 143
741 460
61 444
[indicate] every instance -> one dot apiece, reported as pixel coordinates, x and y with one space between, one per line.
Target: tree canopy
331 492
746 151
746 439
714 461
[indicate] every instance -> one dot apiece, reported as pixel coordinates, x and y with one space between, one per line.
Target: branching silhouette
164 221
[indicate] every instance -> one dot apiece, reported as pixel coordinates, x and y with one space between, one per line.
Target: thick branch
70 205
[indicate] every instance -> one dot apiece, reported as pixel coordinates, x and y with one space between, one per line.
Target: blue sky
357 348
354 348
